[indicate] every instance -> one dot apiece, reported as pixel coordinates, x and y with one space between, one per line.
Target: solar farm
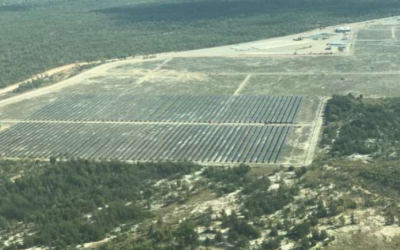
147 142
216 106
207 129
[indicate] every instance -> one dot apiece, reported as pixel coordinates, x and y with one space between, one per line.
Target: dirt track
316 133
242 85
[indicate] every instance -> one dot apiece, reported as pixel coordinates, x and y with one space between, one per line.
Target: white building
343 29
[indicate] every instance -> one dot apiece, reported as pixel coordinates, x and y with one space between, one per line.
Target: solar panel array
205 109
218 129
144 142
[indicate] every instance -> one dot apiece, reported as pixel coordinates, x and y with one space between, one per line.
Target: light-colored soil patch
370 232
297 145
315 134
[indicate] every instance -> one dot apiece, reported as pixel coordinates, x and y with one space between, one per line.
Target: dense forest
362 126
37 35
68 203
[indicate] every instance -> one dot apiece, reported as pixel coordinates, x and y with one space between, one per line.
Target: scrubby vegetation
264 214
43 34
158 206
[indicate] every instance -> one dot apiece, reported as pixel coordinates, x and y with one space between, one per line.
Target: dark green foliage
381 177
80 201
240 226
310 202
218 237
305 244
353 220
274 232
230 179
271 244
389 219
301 230
357 126
262 202
333 208
42 34
386 175
383 174
323 235
185 235
319 236
256 185
161 237
53 160
339 107
300 172
313 221
30 85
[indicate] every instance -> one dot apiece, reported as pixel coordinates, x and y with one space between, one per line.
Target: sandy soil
316 133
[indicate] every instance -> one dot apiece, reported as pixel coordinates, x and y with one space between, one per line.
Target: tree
207 242
242 242
342 221
333 209
324 235
353 220
3 223
315 235
274 232
389 219
271 244
186 235
313 221
150 231
233 237
300 231
300 172
287 224
305 244
321 210
219 237
53 160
